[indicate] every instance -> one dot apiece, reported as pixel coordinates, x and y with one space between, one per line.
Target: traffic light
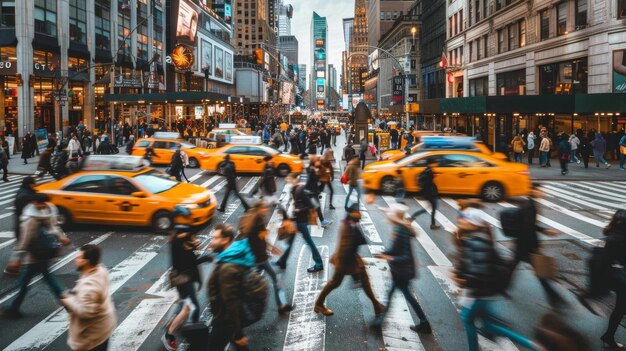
258 56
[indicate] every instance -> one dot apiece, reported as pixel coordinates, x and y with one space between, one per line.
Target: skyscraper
319 28
332 77
357 58
285 13
288 46
302 75
348 24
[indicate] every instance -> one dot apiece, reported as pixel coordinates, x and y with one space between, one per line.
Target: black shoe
286 308
221 210
331 207
5 180
280 265
315 269
435 227
422 328
11 314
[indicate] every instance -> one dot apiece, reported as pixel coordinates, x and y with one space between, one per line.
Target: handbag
344 178
312 216
287 229
45 245
545 267
178 278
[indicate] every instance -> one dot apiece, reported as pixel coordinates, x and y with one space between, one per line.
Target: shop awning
531 104
472 104
173 97
607 102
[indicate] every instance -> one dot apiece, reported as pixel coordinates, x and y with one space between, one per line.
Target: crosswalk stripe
587 201
572 214
369 229
593 190
10 189
396 329
439 217
6 243
5 215
306 330
210 181
53 326
617 187
250 185
194 177
7 234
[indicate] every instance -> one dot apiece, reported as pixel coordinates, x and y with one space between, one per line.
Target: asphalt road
138 261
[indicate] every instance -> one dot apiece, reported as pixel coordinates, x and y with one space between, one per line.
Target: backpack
254 297
511 219
45 245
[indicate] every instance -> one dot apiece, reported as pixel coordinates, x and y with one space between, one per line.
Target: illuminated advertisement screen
228 12
619 71
187 24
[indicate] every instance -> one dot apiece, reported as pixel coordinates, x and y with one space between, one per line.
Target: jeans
188 290
230 189
279 293
616 315
543 157
303 228
358 194
404 289
30 271
481 309
433 206
330 187
564 165
518 157
530 156
621 161
599 157
573 156
335 282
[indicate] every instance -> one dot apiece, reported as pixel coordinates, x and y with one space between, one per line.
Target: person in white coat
73 147
573 143
89 304
530 145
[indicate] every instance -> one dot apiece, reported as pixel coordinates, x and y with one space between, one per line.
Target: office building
285 13
288 46
332 77
357 57
380 17
319 29
302 75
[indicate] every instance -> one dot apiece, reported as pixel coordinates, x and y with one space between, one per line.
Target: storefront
8 89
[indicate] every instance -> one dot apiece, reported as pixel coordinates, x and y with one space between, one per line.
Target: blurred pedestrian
4 164
73 147
348 262
327 175
353 174
24 196
348 152
92 318
402 264
599 148
227 169
622 149
585 149
530 146
574 142
363 149
45 162
59 162
254 228
185 162
615 250
517 144
176 164
302 208
565 152
428 190
544 150
105 147
233 259
130 144
39 217
149 153
267 183
313 187
27 148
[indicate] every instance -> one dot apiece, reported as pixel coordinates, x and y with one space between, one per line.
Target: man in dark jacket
232 260
348 262
313 185
176 164
267 184
302 205
363 148
428 190
227 169
44 165
394 137
4 163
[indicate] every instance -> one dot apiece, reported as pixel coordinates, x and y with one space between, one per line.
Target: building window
499 4
7 13
479 86
581 13
564 78
103 24
621 8
522 33
486 45
46 17
450 27
561 15
78 21
500 41
545 25
512 29
511 83
382 15
471 53
479 55
461 20
469 13
477 10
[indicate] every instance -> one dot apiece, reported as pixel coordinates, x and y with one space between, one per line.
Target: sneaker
578 161
285 308
422 328
326 223
331 207
315 269
608 165
221 209
12 270
169 341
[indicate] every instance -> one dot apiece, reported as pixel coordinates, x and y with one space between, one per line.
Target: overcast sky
334 11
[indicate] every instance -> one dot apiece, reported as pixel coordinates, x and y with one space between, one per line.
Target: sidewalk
17 166
578 172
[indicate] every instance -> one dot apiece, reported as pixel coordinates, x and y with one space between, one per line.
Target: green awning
472 104
172 97
531 104
607 102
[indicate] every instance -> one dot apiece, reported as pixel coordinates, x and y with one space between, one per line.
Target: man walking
89 304
428 190
348 262
352 173
313 187
622 149
227 169
24 196
4 164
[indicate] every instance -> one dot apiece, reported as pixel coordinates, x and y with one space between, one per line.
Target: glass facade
46 17
78 21
479 86
564 78
103 24
511 83
7 13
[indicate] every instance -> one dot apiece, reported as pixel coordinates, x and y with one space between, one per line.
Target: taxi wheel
284 170
492 192
64 218
162 221
193 163
388 185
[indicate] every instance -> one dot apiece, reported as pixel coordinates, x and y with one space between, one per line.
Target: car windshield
410 158
272 150
155 182
188 146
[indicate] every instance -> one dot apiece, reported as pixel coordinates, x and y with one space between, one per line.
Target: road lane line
6 243
581 199
306 330
369 229
249 185
610 186
7 234
5 215
578 216
55 324
396 331
139 324
221 185
591 190
196 176
439 217
210 181
58 264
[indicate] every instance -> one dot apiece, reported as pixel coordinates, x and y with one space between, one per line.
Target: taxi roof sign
245 139
166 135
113 163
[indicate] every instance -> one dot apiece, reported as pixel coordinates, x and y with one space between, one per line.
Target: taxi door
162 152
121 205
85 198
411 172
459 174
255 159
239 156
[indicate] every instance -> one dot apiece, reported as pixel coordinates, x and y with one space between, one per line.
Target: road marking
445 222
572 214
317 230
369 229
221 185
60 263
11 188
306 330
249 185
196 176
6 243
442 275
137 326
594 190
396 330
5 215
581 199
7 234
563 229
210 181
353 197
610 186
55 324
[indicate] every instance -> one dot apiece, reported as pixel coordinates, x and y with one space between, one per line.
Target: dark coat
27 148
225 297
313 179
528 242
346 258
228 170
268 182
403 264
302 203
44 160
475 267
184 260
426 181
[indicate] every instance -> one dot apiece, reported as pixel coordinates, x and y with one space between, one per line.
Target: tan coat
353 171
346 259
91 311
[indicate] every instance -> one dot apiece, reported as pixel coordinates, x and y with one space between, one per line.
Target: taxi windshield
155 182
188 146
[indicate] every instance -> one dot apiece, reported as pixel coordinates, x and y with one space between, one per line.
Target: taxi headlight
189 206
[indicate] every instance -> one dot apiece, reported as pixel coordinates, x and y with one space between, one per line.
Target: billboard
287 95
219 62
398 90
228 12
619 71
207 57
187 24
228 62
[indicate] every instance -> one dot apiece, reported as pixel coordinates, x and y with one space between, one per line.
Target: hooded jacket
403 264
353 171
225 286
91 311
31 220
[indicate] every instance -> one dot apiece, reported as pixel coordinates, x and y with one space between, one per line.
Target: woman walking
327 175
531 146
544 150
518 147
574 142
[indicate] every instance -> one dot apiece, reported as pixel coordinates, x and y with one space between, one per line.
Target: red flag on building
444 60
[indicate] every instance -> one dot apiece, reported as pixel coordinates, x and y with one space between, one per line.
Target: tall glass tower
318 93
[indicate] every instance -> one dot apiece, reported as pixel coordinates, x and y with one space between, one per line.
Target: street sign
398 89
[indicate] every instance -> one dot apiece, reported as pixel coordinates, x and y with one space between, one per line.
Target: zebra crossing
139 262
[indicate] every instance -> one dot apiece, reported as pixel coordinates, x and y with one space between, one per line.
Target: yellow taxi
457 172
443 143
249 158
122 190
164 146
